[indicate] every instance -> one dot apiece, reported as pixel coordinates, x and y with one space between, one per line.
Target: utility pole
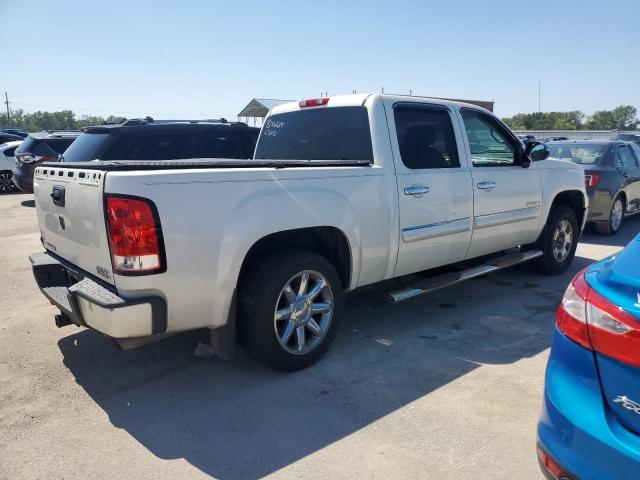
539 83
6 102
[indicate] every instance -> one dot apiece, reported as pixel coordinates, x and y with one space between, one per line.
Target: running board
441 281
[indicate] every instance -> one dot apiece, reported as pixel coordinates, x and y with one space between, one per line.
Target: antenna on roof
382 90
410 92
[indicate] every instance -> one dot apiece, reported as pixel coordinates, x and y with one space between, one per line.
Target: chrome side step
441 281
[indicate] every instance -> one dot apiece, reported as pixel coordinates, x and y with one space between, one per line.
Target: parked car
36 149
554 139
148 139
526 138
628 137
330 202
6 165
9 137
590 424
20 132
612 178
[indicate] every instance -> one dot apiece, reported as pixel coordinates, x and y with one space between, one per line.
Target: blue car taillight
594 322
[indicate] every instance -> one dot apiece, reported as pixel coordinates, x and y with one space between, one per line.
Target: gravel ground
444 386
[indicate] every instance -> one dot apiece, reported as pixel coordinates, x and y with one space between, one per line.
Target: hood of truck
70 209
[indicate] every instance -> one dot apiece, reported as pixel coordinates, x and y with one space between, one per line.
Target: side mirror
536 151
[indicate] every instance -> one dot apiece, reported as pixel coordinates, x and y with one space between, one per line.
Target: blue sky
200 59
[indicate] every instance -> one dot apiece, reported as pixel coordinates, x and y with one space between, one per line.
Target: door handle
487 185
416 190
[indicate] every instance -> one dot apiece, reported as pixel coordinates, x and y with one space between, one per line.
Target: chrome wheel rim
303 312
6 183
562 240
616 214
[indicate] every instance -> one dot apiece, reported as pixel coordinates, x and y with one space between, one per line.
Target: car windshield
338 133
586 153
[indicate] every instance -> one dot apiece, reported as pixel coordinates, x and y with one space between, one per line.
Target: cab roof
360 99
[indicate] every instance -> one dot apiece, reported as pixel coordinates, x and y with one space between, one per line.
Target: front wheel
288 309
6 182
558 241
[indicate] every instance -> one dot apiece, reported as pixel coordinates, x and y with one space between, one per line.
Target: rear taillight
313 102
594 322
135 236
28 158
591 179
572 313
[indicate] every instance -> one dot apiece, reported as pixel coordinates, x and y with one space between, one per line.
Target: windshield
338 133
586 153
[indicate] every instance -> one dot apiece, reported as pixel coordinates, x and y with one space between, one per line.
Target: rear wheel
558 241
288 308
6 182
615 218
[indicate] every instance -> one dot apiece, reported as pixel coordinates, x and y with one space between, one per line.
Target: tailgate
70 208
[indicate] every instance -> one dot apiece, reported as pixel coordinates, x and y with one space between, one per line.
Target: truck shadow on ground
237 419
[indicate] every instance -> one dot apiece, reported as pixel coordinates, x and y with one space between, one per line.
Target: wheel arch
573 199
330 242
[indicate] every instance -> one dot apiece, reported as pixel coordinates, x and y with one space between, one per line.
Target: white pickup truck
342 192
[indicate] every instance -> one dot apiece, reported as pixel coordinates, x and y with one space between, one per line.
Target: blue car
590 423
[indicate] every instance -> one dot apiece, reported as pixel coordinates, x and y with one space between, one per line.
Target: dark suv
148 139
38 148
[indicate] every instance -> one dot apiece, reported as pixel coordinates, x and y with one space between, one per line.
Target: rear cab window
425 136
325 133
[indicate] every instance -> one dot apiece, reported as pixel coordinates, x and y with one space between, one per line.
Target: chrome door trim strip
422 232
503 218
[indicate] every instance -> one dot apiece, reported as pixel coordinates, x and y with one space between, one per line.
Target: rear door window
625 157
220 145
425 137
250 140
157 147
326 133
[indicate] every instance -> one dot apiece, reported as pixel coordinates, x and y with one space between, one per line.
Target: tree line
623 117
62 120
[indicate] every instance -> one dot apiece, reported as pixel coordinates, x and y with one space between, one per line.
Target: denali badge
628 403
103 272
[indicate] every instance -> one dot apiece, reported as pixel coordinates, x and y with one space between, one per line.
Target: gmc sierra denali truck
342 192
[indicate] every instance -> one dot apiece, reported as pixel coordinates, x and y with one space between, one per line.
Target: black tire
6 182
549 263
608 228
258 295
